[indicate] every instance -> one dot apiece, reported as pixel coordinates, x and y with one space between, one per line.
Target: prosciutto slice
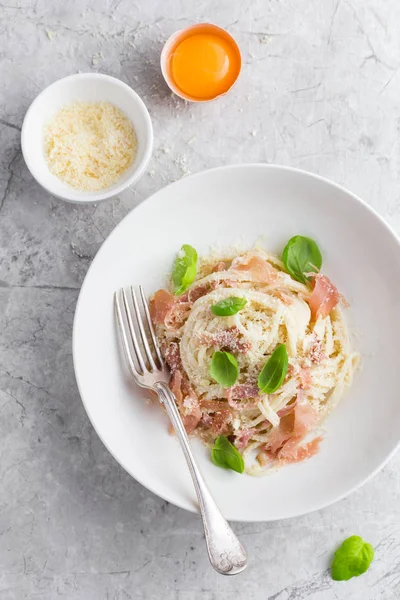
175 385
324 297
172 356
230 338
220 413
177 315
316 354
160 305
293 427
166 310
243 436
242 391
186 401
201 290
220 266
260 269
295 453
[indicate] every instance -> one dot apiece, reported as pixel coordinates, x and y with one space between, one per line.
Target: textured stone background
320 90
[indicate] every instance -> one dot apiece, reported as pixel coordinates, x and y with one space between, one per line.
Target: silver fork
143 355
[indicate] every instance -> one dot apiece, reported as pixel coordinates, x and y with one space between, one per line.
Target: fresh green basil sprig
184 269
352 558
300 257
274 371
224 368
228 307
225 455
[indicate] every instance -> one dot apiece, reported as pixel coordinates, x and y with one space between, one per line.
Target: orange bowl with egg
201 63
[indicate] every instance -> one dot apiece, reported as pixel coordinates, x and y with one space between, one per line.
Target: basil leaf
352 558
185 269
274 371
300 256
224 368
229 306
225 455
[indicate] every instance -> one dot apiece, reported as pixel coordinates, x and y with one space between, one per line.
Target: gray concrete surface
320 90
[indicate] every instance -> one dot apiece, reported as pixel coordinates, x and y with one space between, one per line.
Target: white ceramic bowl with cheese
84 87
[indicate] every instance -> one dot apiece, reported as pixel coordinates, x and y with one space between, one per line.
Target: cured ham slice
177 315
172 356
243 436
305 419
316 354
166 310
160 305
201 290
260 269
303 376
220 266
175 386
230 338
295 453
221 415
188 403
192 419
242 391
292 429
324 297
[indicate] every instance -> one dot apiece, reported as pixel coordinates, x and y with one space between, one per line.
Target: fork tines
137 332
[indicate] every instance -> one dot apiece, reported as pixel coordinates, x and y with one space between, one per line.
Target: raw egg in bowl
201 62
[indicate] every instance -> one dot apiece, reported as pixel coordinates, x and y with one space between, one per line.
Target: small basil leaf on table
225 455
229 306
352 558
184 269
274 371
224 368
301 256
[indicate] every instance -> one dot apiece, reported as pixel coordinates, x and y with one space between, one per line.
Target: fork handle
225 552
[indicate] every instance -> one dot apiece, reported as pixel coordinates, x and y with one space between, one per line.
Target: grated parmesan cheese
90 145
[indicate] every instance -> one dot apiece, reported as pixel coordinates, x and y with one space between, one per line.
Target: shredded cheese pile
90 145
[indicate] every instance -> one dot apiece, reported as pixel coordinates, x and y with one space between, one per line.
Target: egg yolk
204 66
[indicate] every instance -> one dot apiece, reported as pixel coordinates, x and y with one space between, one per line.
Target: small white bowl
84 87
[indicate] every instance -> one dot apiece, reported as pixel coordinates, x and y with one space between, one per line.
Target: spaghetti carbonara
266 428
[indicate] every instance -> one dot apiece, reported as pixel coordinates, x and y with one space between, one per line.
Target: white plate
361 255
